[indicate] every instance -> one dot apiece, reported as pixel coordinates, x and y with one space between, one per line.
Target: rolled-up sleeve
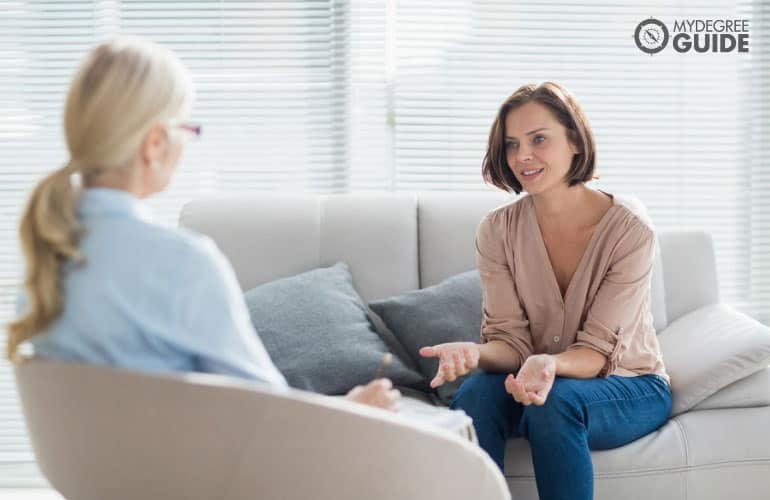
616 312
503 317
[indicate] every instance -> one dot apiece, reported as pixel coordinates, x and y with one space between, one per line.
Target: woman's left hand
534 380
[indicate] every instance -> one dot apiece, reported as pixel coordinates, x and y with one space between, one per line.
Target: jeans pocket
661 380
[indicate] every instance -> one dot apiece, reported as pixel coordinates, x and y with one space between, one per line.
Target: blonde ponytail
49 236
122 88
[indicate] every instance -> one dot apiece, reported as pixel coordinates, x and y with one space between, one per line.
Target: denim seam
646 396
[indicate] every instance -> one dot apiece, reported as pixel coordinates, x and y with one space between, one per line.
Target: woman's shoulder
506 213
184 247
200 247
631 227
633 214
499 221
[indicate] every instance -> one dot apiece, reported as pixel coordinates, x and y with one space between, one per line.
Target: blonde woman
565 272
104 283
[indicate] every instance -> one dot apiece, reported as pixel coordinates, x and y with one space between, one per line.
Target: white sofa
716 445
102 433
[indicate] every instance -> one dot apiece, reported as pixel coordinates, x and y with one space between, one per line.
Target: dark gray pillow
447 312
315 327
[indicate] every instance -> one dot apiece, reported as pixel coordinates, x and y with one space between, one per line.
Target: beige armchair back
100 433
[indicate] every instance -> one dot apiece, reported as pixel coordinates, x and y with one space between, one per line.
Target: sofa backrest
397 242
271 236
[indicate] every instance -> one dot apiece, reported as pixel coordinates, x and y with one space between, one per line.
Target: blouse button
556 338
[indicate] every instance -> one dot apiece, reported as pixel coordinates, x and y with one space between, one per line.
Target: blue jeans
579 415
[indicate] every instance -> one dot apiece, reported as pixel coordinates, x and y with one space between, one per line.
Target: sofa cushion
662 449
314 326
709 349
748 392
728 452
447 312
725 449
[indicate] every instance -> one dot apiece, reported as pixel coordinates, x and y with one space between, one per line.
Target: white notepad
455 421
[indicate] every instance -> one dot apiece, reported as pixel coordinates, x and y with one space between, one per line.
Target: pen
385 364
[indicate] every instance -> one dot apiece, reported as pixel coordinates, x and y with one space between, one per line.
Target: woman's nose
524 155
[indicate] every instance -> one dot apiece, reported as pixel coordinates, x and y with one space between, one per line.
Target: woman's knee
560 411
480 393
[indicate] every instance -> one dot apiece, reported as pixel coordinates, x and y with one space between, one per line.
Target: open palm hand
534 380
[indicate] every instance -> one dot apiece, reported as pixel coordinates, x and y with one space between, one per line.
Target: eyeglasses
192 129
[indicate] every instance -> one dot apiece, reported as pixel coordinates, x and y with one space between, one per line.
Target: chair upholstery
103 433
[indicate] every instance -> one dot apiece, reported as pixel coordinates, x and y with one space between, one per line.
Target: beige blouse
606 306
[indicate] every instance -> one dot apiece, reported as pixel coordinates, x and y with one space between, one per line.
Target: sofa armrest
689 271
710 348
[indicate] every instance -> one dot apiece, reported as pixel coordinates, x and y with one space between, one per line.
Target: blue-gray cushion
447 312
315 327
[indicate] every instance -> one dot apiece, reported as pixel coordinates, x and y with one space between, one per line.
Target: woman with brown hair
566 274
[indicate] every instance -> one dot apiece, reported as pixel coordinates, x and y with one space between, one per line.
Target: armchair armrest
101 432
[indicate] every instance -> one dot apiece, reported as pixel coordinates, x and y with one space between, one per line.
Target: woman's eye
510 145
538 139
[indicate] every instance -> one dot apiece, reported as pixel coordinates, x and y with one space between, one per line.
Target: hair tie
70 167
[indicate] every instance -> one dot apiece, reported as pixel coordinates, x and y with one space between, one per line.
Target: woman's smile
531 174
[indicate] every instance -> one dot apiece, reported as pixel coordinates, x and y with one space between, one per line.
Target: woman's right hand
378 393
455 360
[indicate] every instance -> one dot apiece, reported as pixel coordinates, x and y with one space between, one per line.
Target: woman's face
537 148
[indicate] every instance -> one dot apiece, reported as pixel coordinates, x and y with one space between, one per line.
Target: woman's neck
118 178
562 203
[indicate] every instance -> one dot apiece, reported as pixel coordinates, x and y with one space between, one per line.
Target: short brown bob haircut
566 110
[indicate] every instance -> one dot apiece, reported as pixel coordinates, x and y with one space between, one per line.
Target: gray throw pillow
315 327
447 312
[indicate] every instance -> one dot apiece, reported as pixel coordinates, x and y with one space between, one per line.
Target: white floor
29 494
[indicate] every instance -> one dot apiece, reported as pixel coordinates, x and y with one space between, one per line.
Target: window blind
270 82
756 139
670 128
335 96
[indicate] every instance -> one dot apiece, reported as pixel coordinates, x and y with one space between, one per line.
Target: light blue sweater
152 298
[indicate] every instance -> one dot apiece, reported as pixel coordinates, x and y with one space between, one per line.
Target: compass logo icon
651 36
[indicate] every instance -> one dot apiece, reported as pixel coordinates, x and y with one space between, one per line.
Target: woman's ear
572 140
154 146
